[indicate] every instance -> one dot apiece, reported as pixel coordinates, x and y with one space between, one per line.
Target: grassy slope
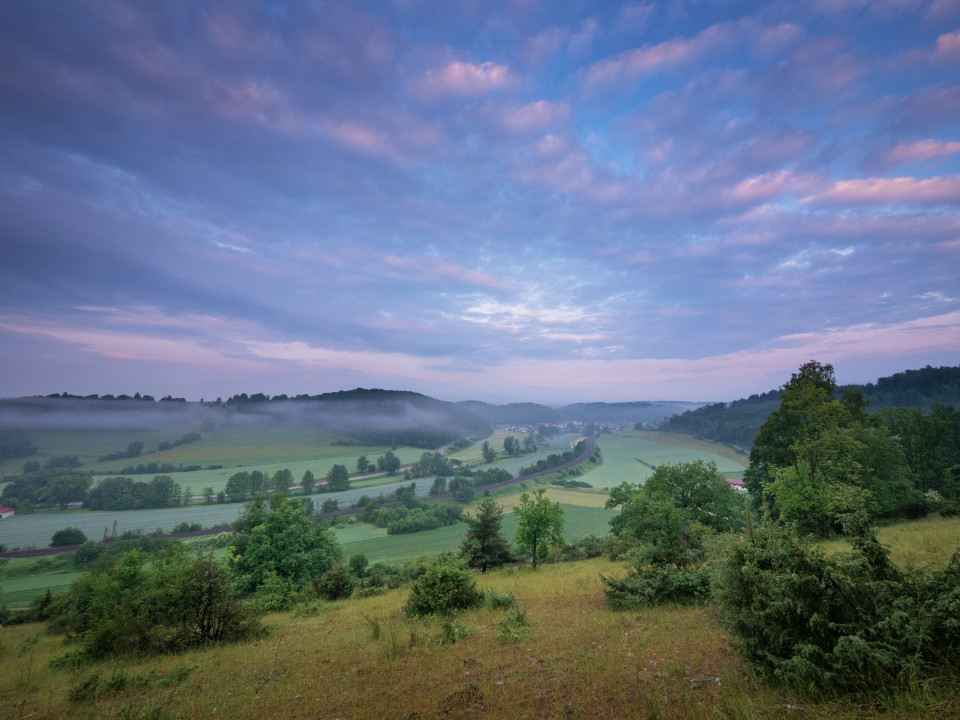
581 660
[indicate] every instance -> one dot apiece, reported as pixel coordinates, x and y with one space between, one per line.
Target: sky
527 200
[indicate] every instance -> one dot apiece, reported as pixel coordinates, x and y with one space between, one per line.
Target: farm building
737 484
6 512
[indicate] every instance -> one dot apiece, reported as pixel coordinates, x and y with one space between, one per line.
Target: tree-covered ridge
368 416
736 423
916 388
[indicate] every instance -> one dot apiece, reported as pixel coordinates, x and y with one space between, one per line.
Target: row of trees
242 485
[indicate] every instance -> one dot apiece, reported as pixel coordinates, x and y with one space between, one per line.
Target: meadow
363 658
631 455
395 549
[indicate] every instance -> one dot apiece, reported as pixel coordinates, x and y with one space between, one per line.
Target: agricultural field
631 456
472 454
35 530
234 448
380 547
18 593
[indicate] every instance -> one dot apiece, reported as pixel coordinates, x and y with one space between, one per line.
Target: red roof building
6 512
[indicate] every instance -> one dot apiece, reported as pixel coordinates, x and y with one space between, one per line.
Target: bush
68 536
648 585
514 627
170 604
445 587
336 583
500 601
845 623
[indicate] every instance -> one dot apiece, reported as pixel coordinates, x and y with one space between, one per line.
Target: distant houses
6 512
737 484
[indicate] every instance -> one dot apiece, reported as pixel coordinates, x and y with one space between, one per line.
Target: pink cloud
915 151
767 186
650 59
430 269
948 46
891 191
534 115
463 79
127 345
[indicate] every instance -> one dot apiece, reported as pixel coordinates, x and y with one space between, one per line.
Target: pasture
631 456
391 549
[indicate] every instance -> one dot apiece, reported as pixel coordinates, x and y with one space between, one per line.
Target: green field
17 593
261 449
580 521
632 455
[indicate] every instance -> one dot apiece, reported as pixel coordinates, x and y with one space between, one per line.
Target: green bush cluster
446 586
136 607
845 623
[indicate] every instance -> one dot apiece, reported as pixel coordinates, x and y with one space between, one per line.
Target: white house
6 512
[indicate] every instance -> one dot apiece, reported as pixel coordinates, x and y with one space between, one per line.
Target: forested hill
513 413
367 415
737 422
596 412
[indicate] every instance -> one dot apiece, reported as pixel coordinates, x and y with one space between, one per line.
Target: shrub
500 601
451 631
336 583
845 623
648 585
139 608
514 627
444 588
68 536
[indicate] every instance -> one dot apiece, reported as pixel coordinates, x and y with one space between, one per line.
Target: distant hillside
512 414
737 422
369 416
625 412
598 412
916 388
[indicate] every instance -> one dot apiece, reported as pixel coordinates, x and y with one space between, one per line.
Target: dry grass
364 659
918 543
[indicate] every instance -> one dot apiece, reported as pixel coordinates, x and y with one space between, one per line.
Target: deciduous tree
540 523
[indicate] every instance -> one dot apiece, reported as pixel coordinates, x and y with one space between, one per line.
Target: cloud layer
541 201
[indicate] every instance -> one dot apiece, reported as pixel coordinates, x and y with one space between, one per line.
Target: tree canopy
539 523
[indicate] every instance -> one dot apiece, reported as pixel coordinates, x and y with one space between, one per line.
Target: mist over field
373 415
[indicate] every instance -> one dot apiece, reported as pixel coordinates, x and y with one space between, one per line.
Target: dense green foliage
68 536
827 625
278 539
446 586
736 423
484 546
539 524
123 493
666 522
403 511
139 607
819 457
732 423
57 486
